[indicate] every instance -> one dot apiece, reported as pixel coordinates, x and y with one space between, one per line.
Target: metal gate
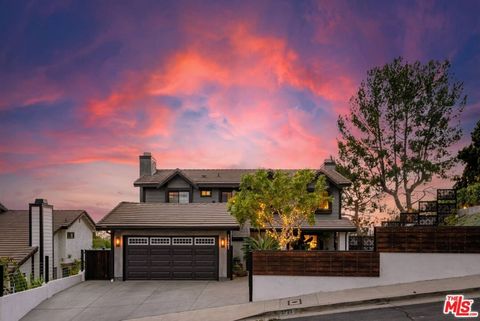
97 264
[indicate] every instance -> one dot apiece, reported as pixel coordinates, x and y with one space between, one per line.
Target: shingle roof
65 218
14 231
223 176
14 236
169 215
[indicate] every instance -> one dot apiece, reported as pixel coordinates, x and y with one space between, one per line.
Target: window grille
182 241
138 241
159 241
204 241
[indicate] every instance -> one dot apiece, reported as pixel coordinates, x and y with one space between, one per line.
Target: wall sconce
222 242
117 241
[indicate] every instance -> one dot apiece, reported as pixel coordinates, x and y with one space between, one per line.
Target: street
425 312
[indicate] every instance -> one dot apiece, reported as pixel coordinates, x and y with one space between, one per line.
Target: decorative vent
204 241
182 240
159 241
138 241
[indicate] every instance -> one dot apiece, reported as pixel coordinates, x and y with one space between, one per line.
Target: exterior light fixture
117 241
222 242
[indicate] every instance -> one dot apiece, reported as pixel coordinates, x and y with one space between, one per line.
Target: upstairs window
325 206
226 195
205 193
182 197
70 235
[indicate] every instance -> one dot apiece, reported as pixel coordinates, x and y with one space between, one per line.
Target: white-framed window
159 241
138 241
182 240
204 241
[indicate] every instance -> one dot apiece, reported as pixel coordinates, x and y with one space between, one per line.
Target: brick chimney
329 163
148 165
41 236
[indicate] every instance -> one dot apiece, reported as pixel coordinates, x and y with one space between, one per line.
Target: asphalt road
423 312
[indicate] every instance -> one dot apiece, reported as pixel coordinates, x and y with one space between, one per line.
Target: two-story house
181 229
31 237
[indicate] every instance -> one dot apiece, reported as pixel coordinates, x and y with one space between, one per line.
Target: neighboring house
73 232
181 228
29 236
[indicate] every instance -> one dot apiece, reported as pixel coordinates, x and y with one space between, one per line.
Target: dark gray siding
154 195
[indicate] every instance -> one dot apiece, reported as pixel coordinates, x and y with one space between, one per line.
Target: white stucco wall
82 241
395 268
14 306
222 252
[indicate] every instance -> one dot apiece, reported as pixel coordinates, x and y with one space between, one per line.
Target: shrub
259 242
469 196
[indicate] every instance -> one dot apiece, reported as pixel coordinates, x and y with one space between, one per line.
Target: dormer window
325 206
181 197
205 193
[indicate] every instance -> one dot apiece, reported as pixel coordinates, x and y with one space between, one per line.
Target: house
31 237
72 232
181 229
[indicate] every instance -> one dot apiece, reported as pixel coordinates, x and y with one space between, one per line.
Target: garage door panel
156 250
159 275
204 251
187 275
163 260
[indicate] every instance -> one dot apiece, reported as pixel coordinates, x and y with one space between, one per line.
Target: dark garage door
167 258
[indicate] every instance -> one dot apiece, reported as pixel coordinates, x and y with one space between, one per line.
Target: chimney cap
41 201
147 154
329 161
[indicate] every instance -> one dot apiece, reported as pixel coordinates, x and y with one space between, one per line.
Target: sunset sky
87 86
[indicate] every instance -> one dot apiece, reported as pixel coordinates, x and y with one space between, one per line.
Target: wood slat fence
316 263
428 239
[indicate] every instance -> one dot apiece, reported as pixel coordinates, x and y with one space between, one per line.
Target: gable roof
65 218
223 177
15 231
169 215
14 236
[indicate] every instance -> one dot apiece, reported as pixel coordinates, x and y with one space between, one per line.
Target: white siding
48 238
26 268
35 223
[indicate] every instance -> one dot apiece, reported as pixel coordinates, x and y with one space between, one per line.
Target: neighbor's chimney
329 163
41 236
148 164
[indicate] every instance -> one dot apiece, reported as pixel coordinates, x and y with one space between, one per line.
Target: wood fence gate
97 264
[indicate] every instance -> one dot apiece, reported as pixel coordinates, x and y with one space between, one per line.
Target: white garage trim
182 240
138 241
204 241
160 241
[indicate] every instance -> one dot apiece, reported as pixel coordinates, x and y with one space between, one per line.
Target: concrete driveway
105 301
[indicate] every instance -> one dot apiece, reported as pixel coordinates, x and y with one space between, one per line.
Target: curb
273 315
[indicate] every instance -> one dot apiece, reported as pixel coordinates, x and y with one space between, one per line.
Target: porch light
117 241
222 242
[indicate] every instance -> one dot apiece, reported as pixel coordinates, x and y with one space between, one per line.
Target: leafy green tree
360 199
279 202
402 122
470 156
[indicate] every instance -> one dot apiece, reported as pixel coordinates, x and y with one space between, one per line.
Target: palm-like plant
259 243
